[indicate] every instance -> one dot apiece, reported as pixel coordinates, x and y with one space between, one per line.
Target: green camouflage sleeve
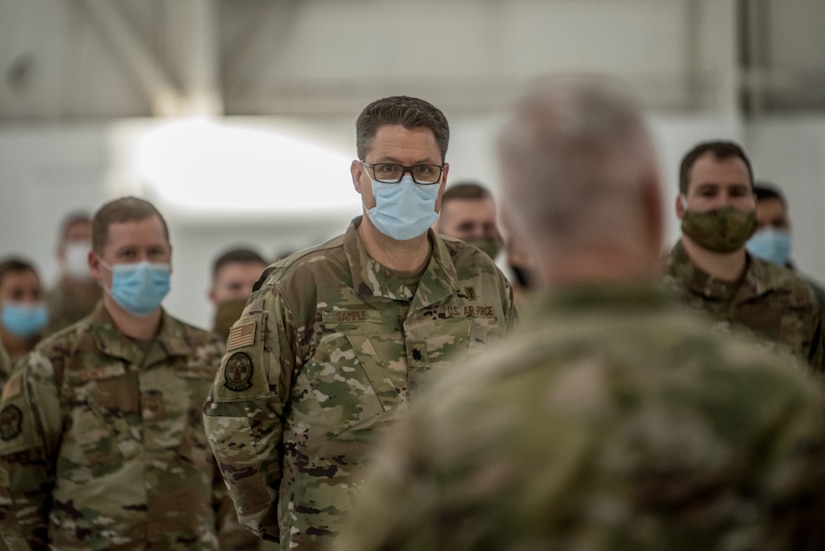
243 415
30 426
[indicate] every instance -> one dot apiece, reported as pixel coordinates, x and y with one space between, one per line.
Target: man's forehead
79 230
134 231
481 207
239 270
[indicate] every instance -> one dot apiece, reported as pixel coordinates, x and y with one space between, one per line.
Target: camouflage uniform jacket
5 366
326 354
66 308
102 445
611 420
769 300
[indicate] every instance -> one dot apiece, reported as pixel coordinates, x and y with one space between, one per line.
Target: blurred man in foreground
611 419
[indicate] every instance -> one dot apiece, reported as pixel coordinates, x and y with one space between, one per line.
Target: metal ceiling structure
78 60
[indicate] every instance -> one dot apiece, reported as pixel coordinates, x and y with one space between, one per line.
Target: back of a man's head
578 168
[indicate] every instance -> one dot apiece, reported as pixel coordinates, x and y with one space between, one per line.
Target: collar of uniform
632 295
110 341
700 282
438 281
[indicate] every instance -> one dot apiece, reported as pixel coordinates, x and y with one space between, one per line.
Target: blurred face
770 213
469 219
398 145
129 243
21 287
79 231
716 183
234 281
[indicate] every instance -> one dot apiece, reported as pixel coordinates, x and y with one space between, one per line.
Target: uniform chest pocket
351 380
454 340
104 414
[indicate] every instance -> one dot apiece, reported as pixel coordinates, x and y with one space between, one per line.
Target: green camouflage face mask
721 230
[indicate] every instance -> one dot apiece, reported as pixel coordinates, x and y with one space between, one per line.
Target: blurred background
236 117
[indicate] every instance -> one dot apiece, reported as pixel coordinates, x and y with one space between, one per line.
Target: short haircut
466 191
15 264
236 255
720 149
125 209
407 111
764 190
71 219
573 147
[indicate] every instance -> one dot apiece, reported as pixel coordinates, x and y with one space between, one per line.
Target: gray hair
573 155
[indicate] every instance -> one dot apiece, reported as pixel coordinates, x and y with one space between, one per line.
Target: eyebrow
394 160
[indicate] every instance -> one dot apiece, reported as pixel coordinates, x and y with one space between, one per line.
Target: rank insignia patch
11 421
238 372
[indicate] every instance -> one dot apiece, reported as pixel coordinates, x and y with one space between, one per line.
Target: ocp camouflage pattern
108 450
332 346
769 302
611 420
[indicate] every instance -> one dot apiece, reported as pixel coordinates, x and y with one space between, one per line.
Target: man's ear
95 268
356 169
680 206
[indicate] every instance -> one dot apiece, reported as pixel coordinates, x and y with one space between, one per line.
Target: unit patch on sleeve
238 372
11 421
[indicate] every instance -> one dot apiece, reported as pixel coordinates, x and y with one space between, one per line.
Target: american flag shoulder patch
240 336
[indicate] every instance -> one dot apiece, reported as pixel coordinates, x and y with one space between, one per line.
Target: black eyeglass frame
404 170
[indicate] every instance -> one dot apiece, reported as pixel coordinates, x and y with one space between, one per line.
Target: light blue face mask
771 244
403 210
140 287
24 320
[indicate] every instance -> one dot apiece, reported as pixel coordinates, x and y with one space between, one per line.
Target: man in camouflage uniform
338 338
76 292
101 437
611 419
710 269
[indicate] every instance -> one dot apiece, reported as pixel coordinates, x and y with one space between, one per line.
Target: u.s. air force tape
238 372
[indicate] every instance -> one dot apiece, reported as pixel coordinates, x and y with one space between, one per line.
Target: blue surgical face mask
24 320
772 245
140 287
403 210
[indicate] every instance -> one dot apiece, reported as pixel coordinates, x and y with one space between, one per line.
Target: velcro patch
11 422
240 336
12 389
237 373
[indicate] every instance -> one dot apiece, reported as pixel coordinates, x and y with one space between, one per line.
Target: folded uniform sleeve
30 430
243 414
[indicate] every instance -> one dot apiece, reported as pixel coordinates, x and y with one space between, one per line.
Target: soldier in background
101 437
340 337
710 269
772 240
234 272
76 292
23 314
468 212
611 419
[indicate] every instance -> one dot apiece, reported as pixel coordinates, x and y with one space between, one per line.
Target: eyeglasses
389 173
